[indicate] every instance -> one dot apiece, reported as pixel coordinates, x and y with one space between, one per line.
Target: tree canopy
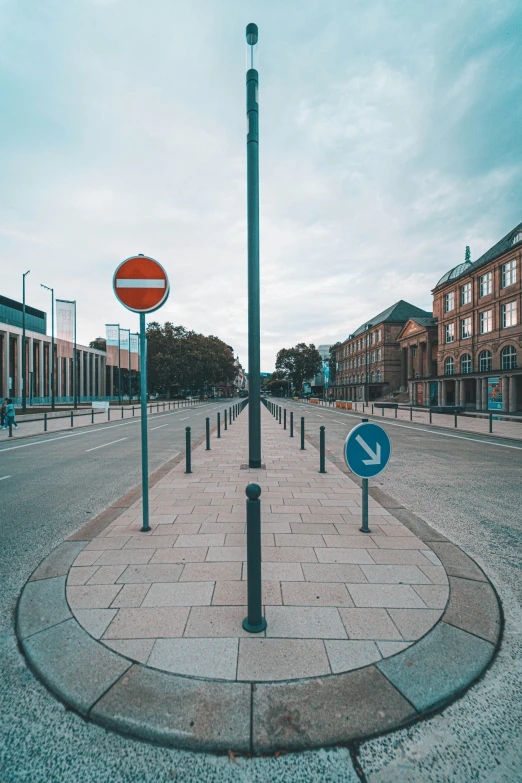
184 359
300 363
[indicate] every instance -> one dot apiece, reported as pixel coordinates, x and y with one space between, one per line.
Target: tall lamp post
24 358
52 342
254 325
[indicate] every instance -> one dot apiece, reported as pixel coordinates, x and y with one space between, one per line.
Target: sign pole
144 434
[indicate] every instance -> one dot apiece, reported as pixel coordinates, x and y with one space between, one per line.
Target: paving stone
148 623
213 658
130 596
280 572
218 539
58 562
106 575
136 649
42 605
432 557
124 556
388 596
398 542
235 594
456 562
160 542
414 623
73 665
95 621
391 648
473 606
189 528
394 574
226 554
334 555
281 659
315 594
417 525
87 558
333 572
396 557
209 572
304 622
426 677
179 594
157 572
435 574
297 540
434 596
80 575
145 703
369 624
92 596
312 713
289 554
346 655
106 543
216 621
181 555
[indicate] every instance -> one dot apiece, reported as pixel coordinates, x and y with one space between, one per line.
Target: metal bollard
219 425
291 424
322 468
302 433
254 622
188 453
157 408
364 527
430 415
133 411
382 412
372 409
455 413
122 411
280 414
207 433
395 412
411 413
284 420
92 415
108 413
491 422
72 422
45 422
226 419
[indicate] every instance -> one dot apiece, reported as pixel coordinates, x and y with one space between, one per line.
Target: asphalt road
468 487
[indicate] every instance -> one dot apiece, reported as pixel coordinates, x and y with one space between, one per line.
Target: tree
333 363
99 343
300 363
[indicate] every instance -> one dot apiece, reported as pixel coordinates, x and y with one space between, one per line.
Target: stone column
5 365
505 394
404 367
484 382
41 372
462 393
513 394
428 358
439 395
80 384
110 391
444 398
478 394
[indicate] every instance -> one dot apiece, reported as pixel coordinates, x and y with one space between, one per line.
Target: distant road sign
141 284
367 450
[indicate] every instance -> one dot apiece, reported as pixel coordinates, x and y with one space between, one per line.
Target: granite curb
133 699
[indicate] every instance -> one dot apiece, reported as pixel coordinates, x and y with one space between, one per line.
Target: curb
215 715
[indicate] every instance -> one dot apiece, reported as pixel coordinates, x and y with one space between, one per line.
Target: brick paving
334 598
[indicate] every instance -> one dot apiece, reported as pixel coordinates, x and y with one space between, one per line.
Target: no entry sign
141 284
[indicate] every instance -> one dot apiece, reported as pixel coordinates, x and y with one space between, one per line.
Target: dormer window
517 238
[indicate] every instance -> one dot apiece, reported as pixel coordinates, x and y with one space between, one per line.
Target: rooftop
399 312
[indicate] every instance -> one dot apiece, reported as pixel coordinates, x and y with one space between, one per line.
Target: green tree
300 363
333 363
98 343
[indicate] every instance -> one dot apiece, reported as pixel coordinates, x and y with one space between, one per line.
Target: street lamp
24 358
254 326
52 342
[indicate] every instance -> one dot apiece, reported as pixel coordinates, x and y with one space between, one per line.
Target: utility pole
254 325
24 357
52 342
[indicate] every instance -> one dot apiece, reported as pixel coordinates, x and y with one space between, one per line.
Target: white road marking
4 478
185 417
158 428
106 444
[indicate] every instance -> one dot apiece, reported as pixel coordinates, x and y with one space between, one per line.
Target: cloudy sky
390 139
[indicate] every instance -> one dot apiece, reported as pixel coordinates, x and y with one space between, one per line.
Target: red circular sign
141 284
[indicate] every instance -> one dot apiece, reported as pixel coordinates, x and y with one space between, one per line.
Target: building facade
418 343
478 309
370 362
90 368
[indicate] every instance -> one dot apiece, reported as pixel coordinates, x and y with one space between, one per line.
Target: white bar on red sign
131 283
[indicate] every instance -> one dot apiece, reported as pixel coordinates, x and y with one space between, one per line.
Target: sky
389 140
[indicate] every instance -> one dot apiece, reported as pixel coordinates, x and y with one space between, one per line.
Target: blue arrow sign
367 450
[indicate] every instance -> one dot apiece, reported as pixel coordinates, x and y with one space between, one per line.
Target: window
373 357
449 366
509 314
373 338
450 333
509 273
465 294
485 361
378 335
517 238
465 328
379 354
378 376
373 377
465 363
449 301
486 321
508 358
486 284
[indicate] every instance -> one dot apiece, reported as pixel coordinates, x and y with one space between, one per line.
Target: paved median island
142 632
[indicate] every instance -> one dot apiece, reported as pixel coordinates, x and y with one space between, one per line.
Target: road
466 486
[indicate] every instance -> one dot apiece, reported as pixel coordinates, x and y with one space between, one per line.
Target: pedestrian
2 413
9 415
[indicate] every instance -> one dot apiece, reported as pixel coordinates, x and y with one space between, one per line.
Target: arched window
373 377
465 363
449 366
517 238
509 358
485 361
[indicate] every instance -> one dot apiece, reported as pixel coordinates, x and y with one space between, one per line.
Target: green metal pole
254 324
322 449
364 528
144 432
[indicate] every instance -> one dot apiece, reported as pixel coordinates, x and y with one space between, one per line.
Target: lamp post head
252 37
252 34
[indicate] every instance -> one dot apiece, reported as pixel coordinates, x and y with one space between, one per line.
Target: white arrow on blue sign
367 450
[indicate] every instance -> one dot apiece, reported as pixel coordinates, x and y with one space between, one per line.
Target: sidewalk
142 632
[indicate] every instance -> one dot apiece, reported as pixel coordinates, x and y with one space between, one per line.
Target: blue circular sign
367 450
